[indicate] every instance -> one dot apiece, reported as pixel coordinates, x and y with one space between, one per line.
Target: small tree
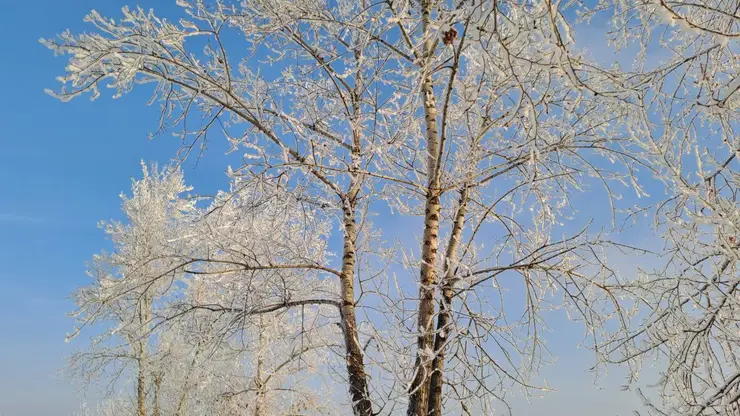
202 309
124 282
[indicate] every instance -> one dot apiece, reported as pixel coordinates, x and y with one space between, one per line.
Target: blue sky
62 167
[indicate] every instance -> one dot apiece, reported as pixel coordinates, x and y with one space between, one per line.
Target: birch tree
476 117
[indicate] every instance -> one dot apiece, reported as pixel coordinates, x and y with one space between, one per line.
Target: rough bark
420 385
358 388
419 390
444 318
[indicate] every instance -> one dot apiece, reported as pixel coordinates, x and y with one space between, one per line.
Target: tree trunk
358 388
419 390
141 387
144 316
420 385
445 316
157 389
260 395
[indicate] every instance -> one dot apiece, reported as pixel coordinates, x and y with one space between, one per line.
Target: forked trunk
444 318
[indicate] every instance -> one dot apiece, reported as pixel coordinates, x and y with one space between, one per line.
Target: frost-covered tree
252 284
197 300
124 283
685 113
477 117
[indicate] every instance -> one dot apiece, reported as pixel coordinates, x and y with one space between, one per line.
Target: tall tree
476 117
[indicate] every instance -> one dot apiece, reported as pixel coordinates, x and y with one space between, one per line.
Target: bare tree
180 293
476 117
685 117
122 289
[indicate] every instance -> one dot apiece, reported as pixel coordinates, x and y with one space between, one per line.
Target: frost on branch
400 168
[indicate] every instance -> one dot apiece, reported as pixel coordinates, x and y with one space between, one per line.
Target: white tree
201 307
124 285
685 115
252 279
475 116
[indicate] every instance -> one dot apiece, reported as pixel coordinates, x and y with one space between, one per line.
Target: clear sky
62 167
